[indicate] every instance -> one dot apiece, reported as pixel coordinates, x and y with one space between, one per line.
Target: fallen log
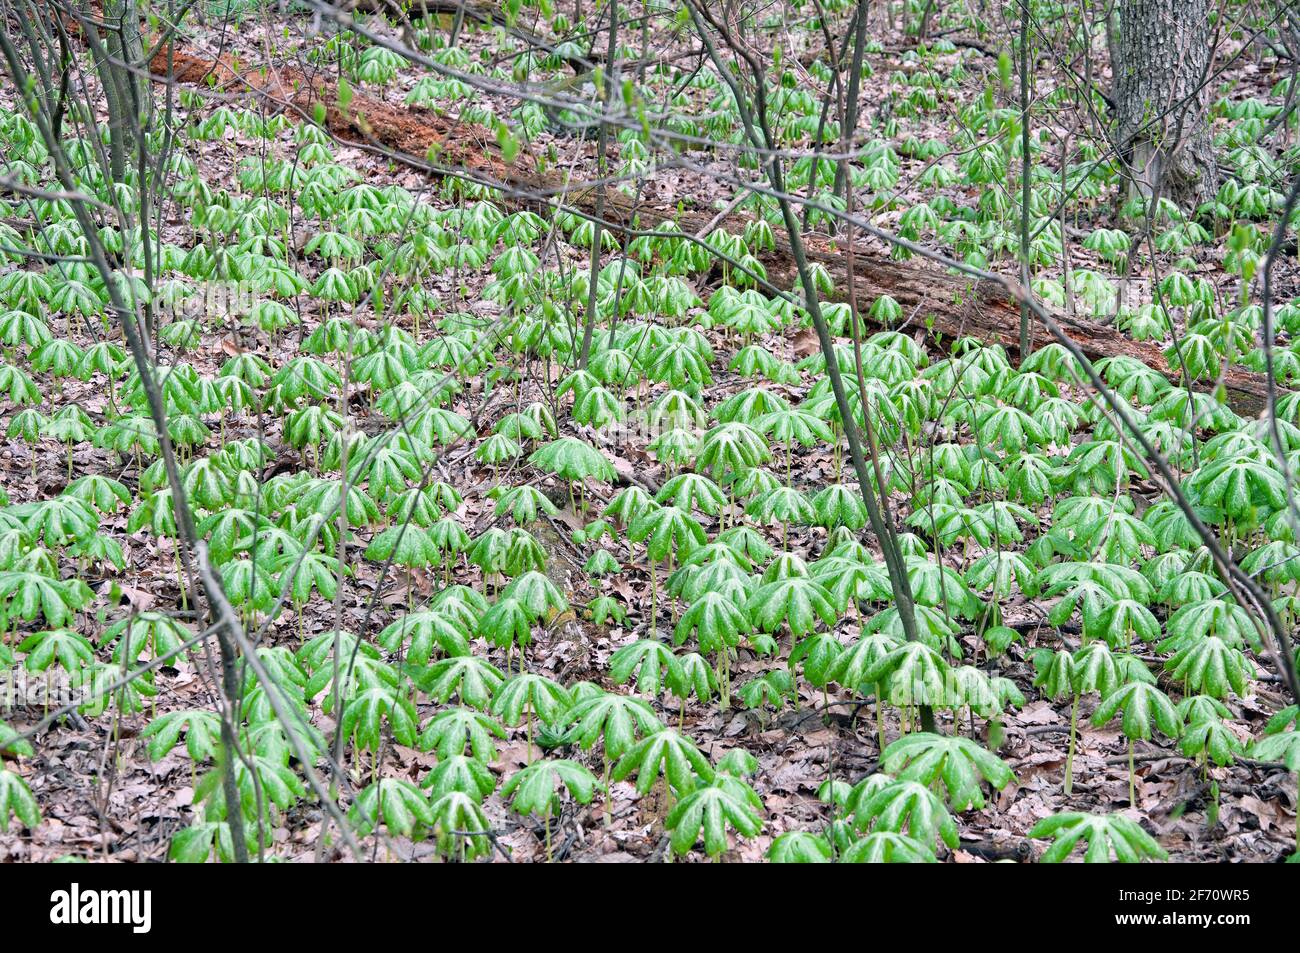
414 134
956 306
949 306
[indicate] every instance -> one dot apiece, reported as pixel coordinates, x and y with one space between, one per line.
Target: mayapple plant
707 811
535 789
961 765
1145 709
1104 834
523 696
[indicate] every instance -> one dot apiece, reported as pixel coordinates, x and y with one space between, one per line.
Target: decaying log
949 306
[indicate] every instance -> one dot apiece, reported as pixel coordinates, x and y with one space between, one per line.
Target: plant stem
1069 757
528 714
880 719
609 796
547 823
654 593
1132 787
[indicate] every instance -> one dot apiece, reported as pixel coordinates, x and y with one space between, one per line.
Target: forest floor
102 797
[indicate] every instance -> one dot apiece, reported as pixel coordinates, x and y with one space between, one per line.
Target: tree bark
1161 97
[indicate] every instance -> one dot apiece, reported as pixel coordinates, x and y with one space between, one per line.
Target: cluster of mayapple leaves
1240 491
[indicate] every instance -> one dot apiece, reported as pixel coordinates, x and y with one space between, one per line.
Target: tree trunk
124 87
1161 80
